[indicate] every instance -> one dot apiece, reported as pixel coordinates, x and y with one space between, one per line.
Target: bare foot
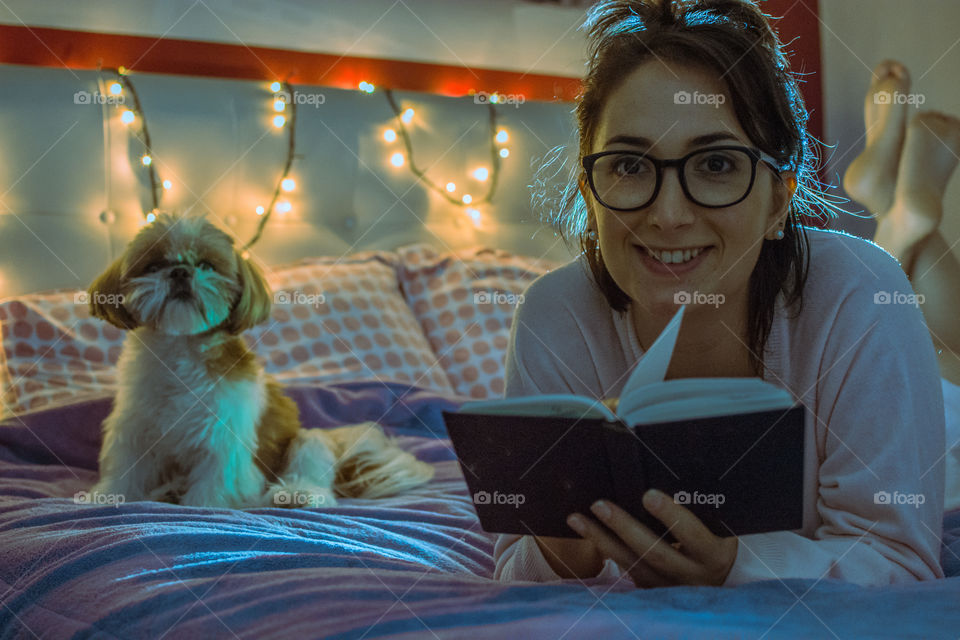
871 177
930 155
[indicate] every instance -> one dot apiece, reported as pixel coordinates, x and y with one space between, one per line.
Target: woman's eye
716 164
205 265
628 166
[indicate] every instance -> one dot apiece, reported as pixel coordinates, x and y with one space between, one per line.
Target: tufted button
108 217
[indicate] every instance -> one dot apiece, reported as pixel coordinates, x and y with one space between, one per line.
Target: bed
414 565
393 318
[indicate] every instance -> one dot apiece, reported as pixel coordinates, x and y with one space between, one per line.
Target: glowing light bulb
494 99
366 87
167 185
288 184
127 116
467 198
407 116
279 121
474 215
151 217
502 136
397 159
390 135
276 87
504 153
146 160
284 206
116 88
481 174
260 210
451 187
279 105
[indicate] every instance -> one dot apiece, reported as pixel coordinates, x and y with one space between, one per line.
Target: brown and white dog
196 419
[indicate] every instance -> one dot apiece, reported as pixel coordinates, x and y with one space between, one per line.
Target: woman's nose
671 208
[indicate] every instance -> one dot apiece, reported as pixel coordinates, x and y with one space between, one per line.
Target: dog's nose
179 273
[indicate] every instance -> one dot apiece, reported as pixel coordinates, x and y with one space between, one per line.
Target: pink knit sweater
867 372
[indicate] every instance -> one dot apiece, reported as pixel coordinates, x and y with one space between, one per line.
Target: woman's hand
698 558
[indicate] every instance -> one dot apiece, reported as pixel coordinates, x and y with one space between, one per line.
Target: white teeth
675 257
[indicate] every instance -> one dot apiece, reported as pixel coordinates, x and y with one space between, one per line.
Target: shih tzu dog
196 420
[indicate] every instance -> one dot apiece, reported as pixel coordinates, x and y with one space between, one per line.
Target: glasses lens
718 178
624 181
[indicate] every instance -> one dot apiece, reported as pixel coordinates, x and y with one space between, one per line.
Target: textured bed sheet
415 565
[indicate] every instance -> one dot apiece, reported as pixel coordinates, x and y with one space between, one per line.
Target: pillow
54 352
332 321
344 319
464 302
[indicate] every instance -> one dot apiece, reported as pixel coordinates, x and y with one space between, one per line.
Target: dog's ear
254 304
106 299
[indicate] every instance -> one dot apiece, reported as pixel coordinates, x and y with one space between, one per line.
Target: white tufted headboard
74 190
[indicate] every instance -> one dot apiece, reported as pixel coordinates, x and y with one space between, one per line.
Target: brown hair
733 39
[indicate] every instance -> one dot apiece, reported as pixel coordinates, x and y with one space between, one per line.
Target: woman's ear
106 298
254 304
783 191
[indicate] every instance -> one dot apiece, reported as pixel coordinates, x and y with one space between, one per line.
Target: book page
551 405
653 365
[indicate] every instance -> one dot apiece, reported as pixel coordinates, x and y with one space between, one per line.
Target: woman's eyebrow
699 141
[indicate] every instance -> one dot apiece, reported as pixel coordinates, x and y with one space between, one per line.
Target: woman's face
668 112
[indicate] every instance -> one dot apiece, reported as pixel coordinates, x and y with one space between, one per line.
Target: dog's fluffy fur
196 420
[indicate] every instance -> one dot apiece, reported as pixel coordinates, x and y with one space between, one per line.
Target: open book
729 449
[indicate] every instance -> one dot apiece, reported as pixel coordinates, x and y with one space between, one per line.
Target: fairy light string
291 152
147 159
444 191
285 106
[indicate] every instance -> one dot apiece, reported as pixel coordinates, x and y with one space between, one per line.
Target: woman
696 168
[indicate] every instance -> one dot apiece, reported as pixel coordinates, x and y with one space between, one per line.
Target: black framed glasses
714 177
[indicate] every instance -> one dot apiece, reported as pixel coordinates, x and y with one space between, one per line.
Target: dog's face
181 276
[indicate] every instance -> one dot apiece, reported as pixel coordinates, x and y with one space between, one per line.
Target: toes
892 69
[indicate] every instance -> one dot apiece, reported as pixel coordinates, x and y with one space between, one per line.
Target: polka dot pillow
332 321
54 352
338 320
465 303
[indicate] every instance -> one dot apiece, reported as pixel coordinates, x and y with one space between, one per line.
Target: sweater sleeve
880 439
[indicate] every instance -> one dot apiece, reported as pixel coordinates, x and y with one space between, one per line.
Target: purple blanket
415 565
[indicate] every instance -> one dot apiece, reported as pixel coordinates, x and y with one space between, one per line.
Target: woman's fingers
614 548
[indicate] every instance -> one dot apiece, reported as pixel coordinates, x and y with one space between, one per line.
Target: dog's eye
153 266
205 266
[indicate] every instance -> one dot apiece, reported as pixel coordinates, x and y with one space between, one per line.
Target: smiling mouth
674 256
